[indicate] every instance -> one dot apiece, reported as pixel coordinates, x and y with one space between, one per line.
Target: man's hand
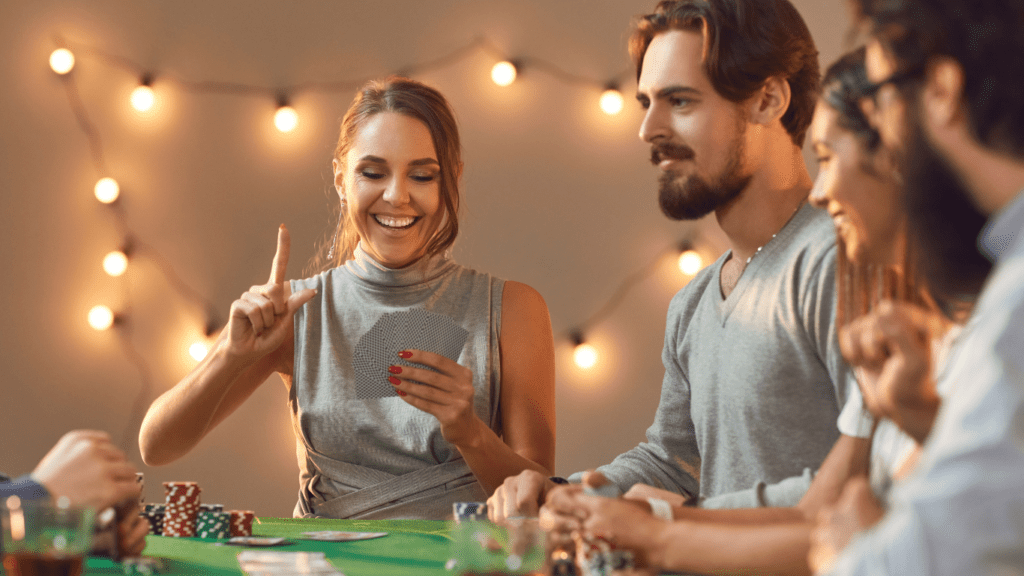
87 468
855 511
519 495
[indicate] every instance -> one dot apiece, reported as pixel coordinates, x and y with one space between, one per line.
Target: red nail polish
394 380
405 354
401 392
395 369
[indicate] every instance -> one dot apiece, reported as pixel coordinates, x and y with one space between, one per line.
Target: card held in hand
413 329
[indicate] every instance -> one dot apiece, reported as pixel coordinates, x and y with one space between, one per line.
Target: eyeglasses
896 78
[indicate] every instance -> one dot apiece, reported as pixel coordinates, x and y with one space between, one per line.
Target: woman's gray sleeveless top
364 452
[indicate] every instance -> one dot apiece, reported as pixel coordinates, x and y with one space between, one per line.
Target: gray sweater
754 383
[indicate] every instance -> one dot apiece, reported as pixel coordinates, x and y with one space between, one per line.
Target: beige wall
557 195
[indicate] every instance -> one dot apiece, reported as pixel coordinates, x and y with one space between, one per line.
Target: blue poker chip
465 511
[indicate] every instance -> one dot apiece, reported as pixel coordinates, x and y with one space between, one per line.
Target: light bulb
198 351
584 355
101 317
115 263
62 60
143 98
690 262
107 190
503 73
286 118
612 101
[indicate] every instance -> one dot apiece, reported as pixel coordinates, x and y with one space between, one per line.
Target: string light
583 354
612 101
504 73
101 317
198 351
690 261
62 61
107 190
286 118
143 97
115 263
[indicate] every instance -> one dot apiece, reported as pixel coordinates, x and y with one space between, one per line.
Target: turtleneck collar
364 267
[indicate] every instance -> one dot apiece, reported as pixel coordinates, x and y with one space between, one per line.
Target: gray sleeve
669 459
782 494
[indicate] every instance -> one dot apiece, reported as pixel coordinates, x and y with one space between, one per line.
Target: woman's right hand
261 318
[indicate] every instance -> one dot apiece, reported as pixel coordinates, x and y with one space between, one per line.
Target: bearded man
754 380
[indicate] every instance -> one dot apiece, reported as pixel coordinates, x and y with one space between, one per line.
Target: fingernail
401 392
394 380
395 369
405 354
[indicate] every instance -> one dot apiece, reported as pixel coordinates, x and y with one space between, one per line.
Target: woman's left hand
446 394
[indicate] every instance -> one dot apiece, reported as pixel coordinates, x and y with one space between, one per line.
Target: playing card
413 329
257 563
256 541
339 536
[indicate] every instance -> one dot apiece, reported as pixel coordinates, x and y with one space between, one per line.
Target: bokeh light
115 263
62 61
107 190
143 98
286 119
101 317
612 101
585 355
198 351
504 73
690 262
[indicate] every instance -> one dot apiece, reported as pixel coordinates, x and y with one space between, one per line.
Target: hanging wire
139 247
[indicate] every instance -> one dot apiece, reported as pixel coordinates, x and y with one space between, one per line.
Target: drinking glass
43 538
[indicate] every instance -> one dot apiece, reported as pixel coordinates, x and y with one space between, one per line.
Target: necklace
759 248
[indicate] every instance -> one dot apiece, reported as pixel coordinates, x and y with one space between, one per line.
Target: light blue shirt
962 511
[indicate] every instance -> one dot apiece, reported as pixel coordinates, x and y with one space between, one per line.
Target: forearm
740 516
492 460
180 417
760 548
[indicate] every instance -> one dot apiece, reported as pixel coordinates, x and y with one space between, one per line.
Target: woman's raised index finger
284 244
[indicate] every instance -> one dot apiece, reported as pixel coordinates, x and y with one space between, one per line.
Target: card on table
340 536
256 541
260 563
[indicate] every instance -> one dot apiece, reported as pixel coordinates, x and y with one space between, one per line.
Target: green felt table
411 547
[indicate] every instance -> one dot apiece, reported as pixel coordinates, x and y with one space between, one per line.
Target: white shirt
961 513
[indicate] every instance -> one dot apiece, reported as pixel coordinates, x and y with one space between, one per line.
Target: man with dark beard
949 95
754 381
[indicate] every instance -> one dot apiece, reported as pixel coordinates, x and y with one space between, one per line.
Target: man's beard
692 197
942 221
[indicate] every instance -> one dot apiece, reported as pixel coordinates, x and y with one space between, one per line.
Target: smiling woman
413 382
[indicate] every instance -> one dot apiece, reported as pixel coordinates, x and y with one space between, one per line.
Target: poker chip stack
597 557
182 508
466 511
213 524
141 481
241 522
154 514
